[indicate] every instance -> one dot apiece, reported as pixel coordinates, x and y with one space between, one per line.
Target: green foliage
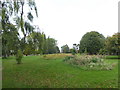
19 56
65 49
112 57
73 51
0 45
39 44
103 51
52 46
8 29
30 16
92 42
29 28
95 59
10 40
27 50
57 49
89 62
112 44
68 58
13 19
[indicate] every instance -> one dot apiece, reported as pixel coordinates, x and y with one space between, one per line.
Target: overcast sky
68 20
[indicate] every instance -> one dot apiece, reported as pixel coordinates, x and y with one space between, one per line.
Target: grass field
49 71
113 57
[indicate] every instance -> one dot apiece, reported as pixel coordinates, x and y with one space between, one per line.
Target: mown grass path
37 72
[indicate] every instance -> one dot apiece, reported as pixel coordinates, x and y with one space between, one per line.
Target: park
29 58
52 72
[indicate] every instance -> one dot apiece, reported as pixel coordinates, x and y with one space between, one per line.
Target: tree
112 44
28 50
57 49
10 25
36 42
10 40
15 8
19 56
73 51
45 51
65 49
0 45
22 18
91 42
39 44
103 51
7 30
51 45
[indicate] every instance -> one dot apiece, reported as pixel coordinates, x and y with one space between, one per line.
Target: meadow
49 71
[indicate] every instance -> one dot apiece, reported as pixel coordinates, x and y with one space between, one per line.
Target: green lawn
113 57
37 72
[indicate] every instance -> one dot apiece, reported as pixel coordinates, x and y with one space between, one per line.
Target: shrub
19 56
68 58
102 51
89 62
73 52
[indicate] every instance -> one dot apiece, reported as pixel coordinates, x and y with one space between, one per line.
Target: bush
102 52
68 58
73 52
19 56
89 62
96 59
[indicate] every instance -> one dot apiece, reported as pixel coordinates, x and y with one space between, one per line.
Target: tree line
14 19
95 43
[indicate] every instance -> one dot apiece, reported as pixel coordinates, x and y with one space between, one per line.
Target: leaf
30 16
16 7
29 28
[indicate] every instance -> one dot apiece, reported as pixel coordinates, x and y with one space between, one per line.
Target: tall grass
55 56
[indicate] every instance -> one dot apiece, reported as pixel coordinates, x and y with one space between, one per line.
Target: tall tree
112 44
15 18
65 49
10 40
51 45
36 42
39 44
92 42
57 49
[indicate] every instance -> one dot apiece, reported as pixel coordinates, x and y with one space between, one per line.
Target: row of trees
95 43
14 20
66 49
112 45
37 43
